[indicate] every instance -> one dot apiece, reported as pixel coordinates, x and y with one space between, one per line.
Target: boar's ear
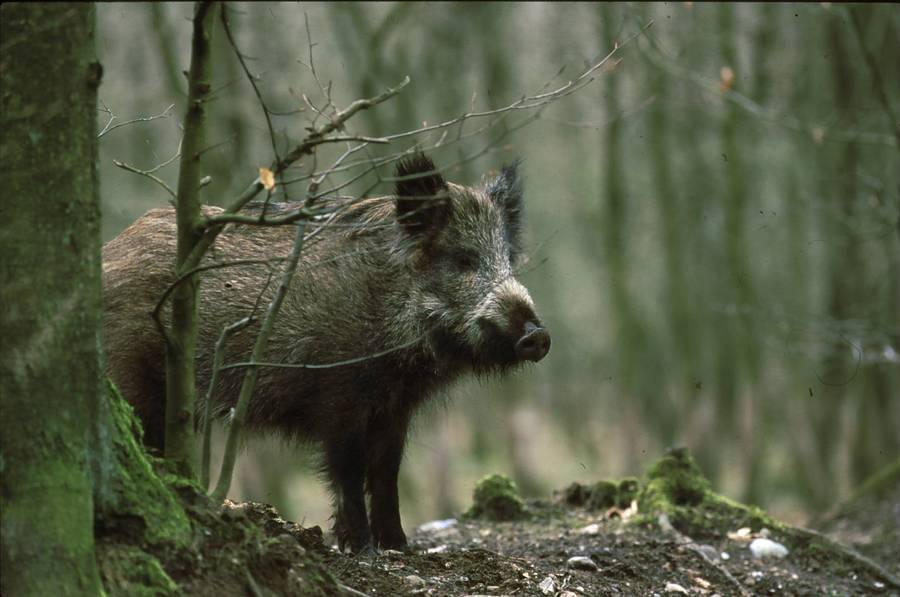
422 202
506 193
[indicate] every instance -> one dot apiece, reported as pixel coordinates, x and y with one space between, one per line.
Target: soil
697 543
479 557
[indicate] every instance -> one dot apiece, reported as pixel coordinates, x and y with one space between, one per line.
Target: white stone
437 525
591 529
548 586
766 548
414 581
581 563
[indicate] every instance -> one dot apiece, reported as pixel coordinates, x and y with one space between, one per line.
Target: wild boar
401 294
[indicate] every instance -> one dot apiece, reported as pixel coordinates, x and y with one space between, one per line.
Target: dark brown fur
428 270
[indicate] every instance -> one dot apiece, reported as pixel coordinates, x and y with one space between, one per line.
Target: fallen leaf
726 79
267 178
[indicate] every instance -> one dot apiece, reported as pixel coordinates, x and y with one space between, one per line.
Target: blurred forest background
713 225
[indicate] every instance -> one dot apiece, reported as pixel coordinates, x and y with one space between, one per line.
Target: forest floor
666 534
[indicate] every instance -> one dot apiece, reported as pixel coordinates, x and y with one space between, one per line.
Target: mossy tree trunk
51 373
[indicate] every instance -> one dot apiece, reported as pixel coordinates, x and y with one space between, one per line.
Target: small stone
393 553
548 586
766 548
568 594
438 549
591 529
581 563
675 588
437 525
414 581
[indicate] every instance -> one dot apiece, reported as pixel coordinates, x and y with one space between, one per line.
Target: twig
250 78
870 565
317 137
148 174
255 364
108 129
157 310
259 351
218 358
352 591
690 545
251 584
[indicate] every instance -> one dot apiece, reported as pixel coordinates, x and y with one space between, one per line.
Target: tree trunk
51 374
181 389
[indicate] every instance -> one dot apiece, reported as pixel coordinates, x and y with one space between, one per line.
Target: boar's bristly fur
421 283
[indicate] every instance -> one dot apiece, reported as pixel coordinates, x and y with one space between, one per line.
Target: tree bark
50 363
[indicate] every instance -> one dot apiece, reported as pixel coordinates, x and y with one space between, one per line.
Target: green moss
675 479
127 570
496 498
676 487
135 501
602 495
627 491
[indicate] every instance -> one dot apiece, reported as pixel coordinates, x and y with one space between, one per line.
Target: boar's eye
464 261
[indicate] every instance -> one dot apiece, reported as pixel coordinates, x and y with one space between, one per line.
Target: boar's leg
345 461
385 437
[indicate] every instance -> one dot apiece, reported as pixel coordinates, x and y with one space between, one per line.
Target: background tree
52 386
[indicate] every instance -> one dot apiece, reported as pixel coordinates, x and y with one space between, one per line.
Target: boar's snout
534 344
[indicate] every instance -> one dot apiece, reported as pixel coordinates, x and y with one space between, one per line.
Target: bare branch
108 129
157 310
259 351
250 78
218 358
255 364
149 174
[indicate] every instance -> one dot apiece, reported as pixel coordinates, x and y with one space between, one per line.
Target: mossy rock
675 486
496 498
602 495
675 479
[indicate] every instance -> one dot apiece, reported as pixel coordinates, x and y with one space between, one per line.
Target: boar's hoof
395 540
534 345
